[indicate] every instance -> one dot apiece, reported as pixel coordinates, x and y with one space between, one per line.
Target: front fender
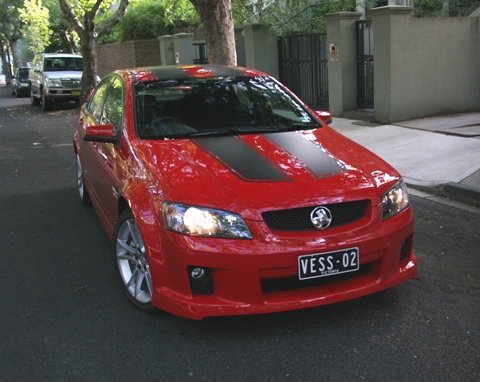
146 208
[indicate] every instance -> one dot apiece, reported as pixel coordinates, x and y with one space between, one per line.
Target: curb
455 191
463 193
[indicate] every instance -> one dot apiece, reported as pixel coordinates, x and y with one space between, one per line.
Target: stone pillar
389 67
342 64
167 52
261 50
183 46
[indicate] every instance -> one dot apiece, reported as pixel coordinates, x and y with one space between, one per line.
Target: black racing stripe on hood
241 159
318 161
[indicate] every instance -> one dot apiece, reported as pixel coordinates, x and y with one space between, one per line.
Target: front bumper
254 276
63 94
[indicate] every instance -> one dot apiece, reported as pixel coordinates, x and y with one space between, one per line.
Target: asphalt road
63 316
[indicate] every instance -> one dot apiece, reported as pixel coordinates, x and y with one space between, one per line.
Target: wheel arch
146 214
137 197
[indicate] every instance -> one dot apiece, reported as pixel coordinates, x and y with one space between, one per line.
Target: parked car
20 83
55 77
224 194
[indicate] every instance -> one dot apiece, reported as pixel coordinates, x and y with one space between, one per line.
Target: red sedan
224 194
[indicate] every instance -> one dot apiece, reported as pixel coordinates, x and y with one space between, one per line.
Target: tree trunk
216 16
88 47
15 53
5 65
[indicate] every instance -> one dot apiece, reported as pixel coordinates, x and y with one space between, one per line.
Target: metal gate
364 33
303 67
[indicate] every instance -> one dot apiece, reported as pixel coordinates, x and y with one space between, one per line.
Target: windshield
56 64
178 109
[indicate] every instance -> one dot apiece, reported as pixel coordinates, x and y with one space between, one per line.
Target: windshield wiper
235 131
299 126
239 131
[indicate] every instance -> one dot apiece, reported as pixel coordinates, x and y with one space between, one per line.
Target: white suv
55 77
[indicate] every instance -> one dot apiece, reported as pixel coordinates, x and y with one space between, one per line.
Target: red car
224 194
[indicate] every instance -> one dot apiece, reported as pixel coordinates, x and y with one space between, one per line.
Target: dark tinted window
106 104
55 64
113 109
180 108
96 102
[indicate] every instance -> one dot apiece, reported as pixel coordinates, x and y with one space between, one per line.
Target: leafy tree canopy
150 19
35 18
288 16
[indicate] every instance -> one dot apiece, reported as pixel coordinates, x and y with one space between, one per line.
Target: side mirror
325 116
100 133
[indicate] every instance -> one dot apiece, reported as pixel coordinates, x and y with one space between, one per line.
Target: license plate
76 92
327 264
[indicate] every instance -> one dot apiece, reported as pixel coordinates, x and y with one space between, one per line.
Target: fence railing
303 67
200 55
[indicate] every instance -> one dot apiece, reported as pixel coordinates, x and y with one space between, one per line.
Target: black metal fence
364 29
200 55
303 67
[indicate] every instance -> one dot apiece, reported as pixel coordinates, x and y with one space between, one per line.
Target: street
64 317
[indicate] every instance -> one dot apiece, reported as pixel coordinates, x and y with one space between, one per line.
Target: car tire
34 100
82 190
131 262
46 103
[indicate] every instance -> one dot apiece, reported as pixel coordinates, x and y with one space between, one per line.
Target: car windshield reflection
202 107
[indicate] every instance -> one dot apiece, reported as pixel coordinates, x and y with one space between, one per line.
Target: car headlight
395 200
201 221
54 83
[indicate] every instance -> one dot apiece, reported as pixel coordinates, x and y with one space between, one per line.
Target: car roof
62 55
185 72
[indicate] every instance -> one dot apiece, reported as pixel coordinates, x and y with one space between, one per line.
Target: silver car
55 77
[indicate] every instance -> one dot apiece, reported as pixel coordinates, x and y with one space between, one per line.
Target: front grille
298 219
71 83
293 283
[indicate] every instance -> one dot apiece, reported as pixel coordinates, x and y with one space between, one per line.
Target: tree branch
114 19
69 14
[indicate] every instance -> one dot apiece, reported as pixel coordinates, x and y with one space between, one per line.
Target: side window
95 105
113 109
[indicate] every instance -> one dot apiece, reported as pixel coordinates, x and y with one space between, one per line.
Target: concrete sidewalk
438 154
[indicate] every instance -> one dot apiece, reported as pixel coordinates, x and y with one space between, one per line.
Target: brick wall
128 54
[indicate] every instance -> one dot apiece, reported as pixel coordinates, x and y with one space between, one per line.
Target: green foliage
442 8
36 24
288 16
150 19
319 11
429 6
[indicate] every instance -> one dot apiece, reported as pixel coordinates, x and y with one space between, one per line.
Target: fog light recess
405 249
200 280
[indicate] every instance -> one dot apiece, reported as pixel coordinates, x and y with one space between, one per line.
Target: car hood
251 173
64 74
